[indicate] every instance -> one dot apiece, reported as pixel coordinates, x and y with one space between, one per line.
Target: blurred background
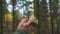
46 11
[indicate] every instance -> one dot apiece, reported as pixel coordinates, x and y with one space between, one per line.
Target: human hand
25 25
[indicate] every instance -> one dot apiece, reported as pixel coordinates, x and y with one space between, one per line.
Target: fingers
24 20
27 23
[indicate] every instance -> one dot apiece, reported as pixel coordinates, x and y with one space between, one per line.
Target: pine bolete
34 21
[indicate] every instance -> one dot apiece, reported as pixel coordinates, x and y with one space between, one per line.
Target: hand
25 25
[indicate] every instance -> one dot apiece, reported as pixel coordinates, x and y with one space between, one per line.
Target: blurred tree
14 14
53 15
26 4
3 11
58 24
58 19
41 14
0 18
36 10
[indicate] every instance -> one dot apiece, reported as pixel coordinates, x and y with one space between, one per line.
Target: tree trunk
53 15
41 14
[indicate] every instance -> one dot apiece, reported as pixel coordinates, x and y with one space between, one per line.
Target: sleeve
20 32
